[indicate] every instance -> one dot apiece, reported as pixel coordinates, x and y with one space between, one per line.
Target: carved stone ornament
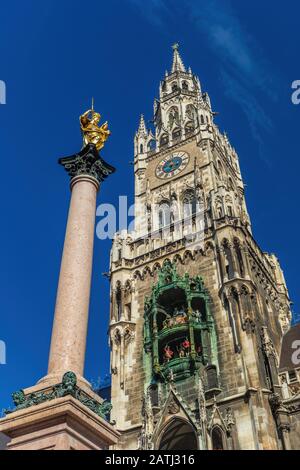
248 325
87 163
229 418
68 386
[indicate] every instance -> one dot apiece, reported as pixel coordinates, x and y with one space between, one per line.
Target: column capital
87 163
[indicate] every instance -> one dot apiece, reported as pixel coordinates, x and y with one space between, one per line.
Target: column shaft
68 341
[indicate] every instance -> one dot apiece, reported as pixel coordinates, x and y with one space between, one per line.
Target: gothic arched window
189 204
179 435
141 148
185 86
164 140
217 438
151 144
164 215
202 119
174 86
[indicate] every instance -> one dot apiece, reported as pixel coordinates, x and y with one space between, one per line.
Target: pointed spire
142 126
177 61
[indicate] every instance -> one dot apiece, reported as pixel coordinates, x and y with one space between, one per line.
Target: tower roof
177 65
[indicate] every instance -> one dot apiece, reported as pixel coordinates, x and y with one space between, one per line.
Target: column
68 343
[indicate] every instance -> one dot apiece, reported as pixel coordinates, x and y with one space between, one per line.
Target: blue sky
54 56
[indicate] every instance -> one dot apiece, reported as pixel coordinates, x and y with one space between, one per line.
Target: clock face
172 165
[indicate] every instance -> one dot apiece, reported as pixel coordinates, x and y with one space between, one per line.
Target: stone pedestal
61 424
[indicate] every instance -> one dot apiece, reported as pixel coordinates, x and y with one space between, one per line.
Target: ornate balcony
179 330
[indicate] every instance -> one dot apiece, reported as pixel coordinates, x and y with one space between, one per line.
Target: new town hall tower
198 310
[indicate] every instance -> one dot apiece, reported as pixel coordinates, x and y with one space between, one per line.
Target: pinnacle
142 126
178 65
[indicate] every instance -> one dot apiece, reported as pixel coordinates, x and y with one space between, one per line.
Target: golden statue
91 131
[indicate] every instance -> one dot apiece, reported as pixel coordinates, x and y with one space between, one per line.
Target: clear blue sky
54 56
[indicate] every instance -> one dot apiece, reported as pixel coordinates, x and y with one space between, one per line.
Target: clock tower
198 310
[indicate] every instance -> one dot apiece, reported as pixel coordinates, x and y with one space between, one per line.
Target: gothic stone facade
198 310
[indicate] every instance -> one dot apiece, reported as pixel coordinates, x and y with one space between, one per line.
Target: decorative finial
175 46
92 132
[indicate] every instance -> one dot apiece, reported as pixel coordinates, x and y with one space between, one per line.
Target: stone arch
177 259
138 275
164 214
156 267
188 255
147 272
151 144
218 438
174 86
167 261
189 203
178 434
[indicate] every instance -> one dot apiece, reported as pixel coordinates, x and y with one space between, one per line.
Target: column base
60 424
52 379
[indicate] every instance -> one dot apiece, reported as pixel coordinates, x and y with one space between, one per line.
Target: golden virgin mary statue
91 131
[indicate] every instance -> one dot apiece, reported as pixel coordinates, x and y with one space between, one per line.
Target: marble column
62 412
68 342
